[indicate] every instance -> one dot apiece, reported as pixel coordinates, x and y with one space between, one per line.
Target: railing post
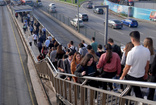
103 99
91 97
75 94
82 98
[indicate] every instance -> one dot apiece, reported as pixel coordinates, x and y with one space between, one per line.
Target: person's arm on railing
80 71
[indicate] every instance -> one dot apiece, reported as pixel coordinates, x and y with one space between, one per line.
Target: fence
87 31
75 93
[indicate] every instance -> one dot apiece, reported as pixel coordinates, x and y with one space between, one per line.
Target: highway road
62 35
15 85
146 29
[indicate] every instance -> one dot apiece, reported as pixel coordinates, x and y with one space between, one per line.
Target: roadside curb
75 33
35 81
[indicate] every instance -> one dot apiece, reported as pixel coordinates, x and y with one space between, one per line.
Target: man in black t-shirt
115 48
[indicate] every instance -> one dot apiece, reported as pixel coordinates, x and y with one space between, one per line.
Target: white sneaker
95 100
140 103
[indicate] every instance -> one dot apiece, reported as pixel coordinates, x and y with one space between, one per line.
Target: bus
27 2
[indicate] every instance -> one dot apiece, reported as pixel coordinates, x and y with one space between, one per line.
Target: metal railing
75 93
80 94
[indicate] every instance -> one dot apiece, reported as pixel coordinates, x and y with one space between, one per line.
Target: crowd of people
137 62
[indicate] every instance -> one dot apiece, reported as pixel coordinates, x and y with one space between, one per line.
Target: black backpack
72 50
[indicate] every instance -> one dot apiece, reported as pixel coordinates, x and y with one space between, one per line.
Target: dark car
115 24
98 10
89 5
83 16
130 22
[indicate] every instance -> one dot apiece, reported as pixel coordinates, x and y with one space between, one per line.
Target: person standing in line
53 55
67 64
115 48
83 42
94 44
148 43
32 21
39 46
82 50
100 51
35 38
75 62
31 29
24 28
137 63
152 74
110 64
47 42
30 40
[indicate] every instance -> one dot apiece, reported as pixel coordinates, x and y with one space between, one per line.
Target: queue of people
136 63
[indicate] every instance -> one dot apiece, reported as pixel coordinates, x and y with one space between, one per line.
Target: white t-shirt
34 36
137 57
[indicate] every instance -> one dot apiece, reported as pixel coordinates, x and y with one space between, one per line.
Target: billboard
135 12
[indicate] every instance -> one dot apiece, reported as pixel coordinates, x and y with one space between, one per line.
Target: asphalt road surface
146 29
15 85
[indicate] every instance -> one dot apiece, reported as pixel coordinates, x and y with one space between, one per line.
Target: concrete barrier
36 83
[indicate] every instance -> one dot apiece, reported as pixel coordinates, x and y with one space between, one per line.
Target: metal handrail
127 82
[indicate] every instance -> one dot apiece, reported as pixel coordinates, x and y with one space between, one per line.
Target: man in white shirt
47 42
137 63
35 38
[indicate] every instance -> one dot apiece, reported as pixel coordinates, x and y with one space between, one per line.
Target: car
89 5
113 23
98 10
83 16
153 16
52 9
130 22
52 5
2 3
74 22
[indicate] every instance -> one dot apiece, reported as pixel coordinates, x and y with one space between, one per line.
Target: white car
52 5
52 9
74 22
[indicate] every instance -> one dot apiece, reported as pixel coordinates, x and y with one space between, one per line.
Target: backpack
72 50
84 51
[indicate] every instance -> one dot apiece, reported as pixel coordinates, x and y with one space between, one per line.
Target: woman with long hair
127 48
110 64
75 62
148 43
59 53
96 58
87 67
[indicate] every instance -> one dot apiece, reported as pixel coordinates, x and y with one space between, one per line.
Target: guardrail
75 93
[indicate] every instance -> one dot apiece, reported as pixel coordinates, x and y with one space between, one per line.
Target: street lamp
78 28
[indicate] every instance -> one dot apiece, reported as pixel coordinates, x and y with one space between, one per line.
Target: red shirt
113 66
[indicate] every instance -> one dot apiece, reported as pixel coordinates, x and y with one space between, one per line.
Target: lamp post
78 28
